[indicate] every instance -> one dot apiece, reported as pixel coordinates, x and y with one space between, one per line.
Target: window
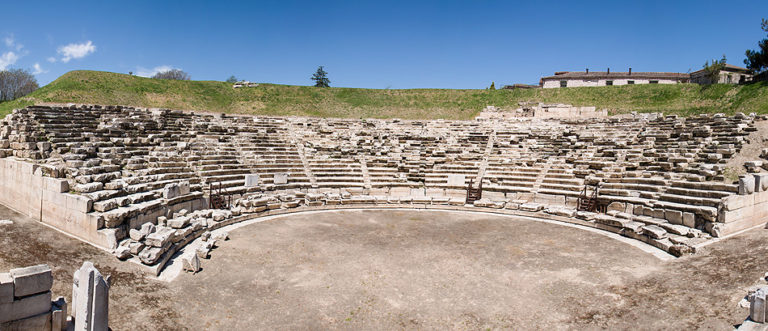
653 82
631 82
608 82
563 83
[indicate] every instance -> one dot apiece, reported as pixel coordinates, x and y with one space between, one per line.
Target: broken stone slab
654 231
203 252
31 280
147 228
191 264
135 247
160 237
171 191
136 235
220 236
531 207
149 255
746 184
122 252
178 223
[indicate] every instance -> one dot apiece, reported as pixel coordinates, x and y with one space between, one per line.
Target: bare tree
16 83
175 74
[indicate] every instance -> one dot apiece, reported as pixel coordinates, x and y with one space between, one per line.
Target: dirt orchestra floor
412 270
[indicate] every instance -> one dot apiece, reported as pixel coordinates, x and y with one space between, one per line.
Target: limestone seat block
31 280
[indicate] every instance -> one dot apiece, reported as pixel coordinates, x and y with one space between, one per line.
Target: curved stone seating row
153 245
121 167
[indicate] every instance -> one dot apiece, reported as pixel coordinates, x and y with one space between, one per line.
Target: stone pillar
90 299
757 305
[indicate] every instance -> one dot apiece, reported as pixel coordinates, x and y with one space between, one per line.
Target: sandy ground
413 270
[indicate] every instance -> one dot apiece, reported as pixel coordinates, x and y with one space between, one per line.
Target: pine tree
493 86
321 78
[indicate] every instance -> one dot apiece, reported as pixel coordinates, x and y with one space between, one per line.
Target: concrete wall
555 83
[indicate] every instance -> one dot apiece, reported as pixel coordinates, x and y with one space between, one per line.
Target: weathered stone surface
136 235
31 280
191 264
27 306
758 305
746 185
531 207
673 216
122 252
251 180
280 178
689 220
150 255
655 232
160 237
147 228
171 191
90 299
6 288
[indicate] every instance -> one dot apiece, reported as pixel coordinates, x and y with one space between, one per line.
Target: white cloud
10 42
8 59
76 51
51 59
144 72
38 69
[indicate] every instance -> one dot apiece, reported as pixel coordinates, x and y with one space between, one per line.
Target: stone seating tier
121 159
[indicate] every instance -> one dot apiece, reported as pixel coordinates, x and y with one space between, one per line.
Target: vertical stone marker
251 180
90 299
281 178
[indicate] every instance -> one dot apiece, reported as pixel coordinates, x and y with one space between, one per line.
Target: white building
731 74
608 78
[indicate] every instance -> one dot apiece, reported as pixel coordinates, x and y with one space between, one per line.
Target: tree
712 70
232 79
320 78
757 60
174 74
16 83
493 86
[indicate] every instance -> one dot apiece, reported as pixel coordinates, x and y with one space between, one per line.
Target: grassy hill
94 87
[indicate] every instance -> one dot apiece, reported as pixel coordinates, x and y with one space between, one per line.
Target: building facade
608 78
731 74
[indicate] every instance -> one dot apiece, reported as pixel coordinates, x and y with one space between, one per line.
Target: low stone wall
25 300
746 210
26 189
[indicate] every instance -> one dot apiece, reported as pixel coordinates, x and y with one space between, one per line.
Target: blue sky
381 44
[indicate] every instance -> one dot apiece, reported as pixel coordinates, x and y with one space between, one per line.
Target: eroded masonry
146 182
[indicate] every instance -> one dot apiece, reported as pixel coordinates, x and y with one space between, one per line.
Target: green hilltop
106 88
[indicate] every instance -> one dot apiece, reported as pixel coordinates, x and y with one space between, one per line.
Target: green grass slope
105 88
